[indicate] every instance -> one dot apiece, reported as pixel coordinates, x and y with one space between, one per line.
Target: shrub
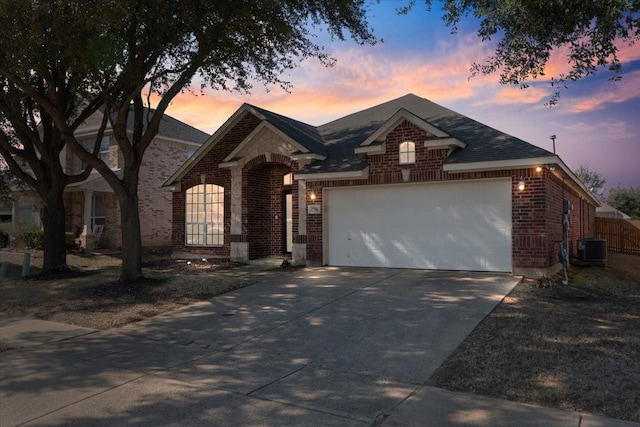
33 239
25 233
70 239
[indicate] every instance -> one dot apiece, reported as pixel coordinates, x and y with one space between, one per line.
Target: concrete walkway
325 346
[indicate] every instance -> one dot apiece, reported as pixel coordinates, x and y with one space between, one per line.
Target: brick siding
161 159
536 211
262 207
208 166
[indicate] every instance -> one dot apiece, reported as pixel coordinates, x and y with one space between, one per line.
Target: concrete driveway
324 346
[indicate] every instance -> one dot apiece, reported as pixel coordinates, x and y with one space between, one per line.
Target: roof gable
169 128
211 142
258 133
342 145
305 135
400 116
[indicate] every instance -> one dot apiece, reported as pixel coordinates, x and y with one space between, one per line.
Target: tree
593 181
626 200
120 52
39 81
5 184
527 31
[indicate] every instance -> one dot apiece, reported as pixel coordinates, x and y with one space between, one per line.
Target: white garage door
464 225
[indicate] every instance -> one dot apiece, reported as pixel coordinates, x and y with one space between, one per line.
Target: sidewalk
19 332
243 360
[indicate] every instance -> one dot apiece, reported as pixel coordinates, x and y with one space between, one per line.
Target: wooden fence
620 234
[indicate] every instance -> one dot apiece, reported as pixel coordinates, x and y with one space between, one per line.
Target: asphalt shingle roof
306 135
173 128
337 139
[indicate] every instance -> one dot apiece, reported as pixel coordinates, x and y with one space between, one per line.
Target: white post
14 214
88 198
26 264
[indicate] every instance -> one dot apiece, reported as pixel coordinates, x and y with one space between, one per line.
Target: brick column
239 247
299 248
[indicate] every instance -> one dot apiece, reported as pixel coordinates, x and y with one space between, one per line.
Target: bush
33 239
28 235
24 233
70 239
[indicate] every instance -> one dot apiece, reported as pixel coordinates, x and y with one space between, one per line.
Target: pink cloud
362 77
609 92
366 76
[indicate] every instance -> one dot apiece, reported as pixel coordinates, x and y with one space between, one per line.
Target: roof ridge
377 106
260 109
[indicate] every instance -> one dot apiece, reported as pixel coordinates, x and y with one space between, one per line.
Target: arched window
407 153
204 215
287 179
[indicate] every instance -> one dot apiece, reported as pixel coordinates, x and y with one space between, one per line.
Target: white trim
230 164
524 163
577 184
395 120
446 142
371 149
108 131
172 188
498 164
330 176
307 156
179 141
248 139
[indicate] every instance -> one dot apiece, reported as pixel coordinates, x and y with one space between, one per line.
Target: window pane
407 152
204 215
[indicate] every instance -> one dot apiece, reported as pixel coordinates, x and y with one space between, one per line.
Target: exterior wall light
538 169
312 196
521 185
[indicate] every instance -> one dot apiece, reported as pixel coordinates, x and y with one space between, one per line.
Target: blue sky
597 121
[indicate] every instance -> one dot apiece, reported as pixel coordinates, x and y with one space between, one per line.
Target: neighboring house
606 211
91 206
6 213
406 184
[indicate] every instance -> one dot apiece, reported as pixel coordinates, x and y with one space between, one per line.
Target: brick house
91 205
406 184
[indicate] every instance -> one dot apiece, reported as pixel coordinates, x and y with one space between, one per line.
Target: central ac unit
592 249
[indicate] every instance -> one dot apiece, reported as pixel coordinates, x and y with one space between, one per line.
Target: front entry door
287 224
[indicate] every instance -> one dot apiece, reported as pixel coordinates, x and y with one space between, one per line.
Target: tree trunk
54 244
131 239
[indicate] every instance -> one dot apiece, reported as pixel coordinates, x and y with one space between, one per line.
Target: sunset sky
597 122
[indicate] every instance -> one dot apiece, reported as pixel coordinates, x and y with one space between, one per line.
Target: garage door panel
454 226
